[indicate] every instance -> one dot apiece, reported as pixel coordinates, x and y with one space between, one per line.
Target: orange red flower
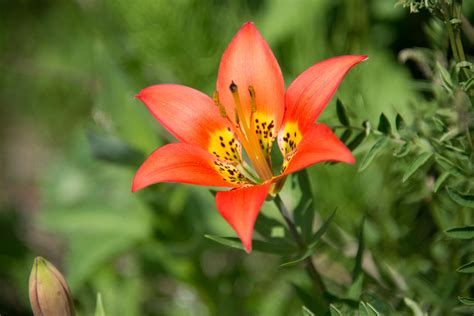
250 109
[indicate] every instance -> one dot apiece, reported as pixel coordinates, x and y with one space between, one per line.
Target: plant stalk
454 33
310 268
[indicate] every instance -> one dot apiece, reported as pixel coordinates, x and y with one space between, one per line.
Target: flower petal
179 162
309 93
248 61
240 208
188 114
318 144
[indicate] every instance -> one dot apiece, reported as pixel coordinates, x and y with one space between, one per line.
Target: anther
233 87
252 99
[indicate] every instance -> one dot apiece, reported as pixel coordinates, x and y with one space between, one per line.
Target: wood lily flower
249 110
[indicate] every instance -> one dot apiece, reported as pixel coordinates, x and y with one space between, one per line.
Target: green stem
310 268
454 33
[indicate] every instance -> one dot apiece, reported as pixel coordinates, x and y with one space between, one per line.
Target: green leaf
363 309
371 310
360 252
403 150
466 300
438 124
355 290
346 135
440 180
227 241
308 252
99 307
415 308
257 245
466 200
372 153
467 268
309 298
317 236
334 311
384 125
417 163
445 77
399 122
307 312
367 310
356 141
114 150
304 211
466 232
341 113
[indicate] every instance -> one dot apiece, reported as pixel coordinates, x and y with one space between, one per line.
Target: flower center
255 133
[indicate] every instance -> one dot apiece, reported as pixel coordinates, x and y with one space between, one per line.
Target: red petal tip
135 187
248 248
248 24
138 96
352 160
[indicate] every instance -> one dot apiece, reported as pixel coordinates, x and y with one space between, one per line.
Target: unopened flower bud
49 292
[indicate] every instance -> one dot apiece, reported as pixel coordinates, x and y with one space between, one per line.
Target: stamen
218 103
252 99
251 143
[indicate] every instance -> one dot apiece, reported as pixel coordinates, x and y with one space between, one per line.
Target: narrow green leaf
466 232
466 200
304 211
355 290
356 141
399 122
415 308
367 310
440 181
282 248
308 252
417 163
299 258
227 241
371 310
372 153
309 298
363 309
403 150
307 312
99 307
341 113
466 300
360 252
346 135
467 268
445 77
384 125
317 236
334 311
438 124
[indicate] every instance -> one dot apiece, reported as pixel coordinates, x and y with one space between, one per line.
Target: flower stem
454 33
310 268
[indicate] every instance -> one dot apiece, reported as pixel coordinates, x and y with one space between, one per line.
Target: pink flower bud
49 292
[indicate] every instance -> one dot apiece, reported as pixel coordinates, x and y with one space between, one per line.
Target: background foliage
72 136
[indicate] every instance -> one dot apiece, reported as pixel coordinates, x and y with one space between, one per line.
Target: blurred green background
72 135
